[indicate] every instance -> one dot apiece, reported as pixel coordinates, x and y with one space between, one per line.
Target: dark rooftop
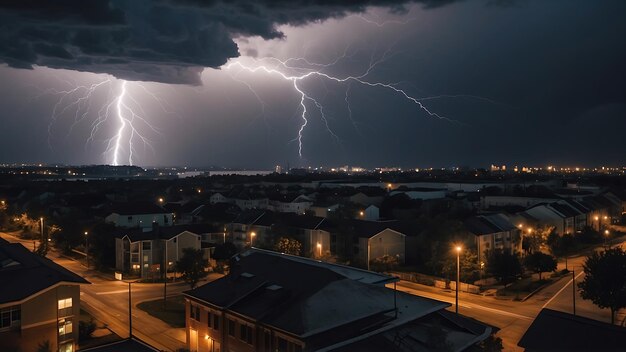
23 273
558 331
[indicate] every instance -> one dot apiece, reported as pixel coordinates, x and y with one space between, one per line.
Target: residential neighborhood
378 270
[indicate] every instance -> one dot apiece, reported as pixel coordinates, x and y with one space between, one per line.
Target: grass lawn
522 288
174 315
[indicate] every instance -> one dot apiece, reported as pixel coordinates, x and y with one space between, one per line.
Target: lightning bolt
121 112
296 74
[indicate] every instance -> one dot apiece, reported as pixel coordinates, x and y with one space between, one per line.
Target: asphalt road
513 318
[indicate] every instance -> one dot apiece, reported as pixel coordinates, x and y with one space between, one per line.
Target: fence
435 281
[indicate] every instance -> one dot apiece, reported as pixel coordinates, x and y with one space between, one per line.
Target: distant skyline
384 83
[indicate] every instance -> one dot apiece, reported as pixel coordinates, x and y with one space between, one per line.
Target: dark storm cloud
162 41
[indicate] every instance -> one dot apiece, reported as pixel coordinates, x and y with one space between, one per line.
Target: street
513 318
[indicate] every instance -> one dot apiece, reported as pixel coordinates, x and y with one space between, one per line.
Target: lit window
65 327
65 303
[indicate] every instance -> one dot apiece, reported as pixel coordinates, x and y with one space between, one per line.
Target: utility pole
574 290
166 262
458 277
130 313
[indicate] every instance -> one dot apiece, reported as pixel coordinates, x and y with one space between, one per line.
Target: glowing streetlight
161 200
252 235
87 248
319 247
361 213
458 276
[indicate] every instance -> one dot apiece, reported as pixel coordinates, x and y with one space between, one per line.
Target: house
294 203
140 214
323 209
146 252
371 213
421 193
39 301
275 302
563 216
559 331
306 229
494 231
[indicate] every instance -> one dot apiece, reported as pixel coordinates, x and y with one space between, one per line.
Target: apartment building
39 302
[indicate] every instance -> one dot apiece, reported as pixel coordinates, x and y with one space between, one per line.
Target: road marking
561 290
112 292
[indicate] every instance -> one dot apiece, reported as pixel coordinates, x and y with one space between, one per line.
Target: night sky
384 83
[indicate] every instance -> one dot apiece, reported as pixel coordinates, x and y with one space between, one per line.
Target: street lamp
458 276
87 248
161 200
319 247
252 235
606 237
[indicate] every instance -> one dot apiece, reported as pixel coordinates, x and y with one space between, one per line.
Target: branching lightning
297 74
121 112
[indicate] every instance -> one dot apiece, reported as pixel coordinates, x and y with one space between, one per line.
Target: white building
142 215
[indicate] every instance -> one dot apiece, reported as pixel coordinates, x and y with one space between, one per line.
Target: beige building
39 302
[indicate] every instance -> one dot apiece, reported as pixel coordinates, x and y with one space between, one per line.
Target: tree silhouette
191 265
605 280
540 262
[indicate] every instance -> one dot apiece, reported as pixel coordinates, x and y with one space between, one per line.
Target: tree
85 329
289 246
468 262
540 262
560 245
605 280
503 265
192 265
44 346
491 344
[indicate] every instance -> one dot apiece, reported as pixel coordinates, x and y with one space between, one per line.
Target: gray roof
319 302
558 331
23 273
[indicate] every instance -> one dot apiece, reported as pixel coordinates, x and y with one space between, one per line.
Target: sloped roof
137 208
23 273
558 331
165 232
306 297
488 224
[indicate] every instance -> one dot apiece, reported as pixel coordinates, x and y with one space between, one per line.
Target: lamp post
606 238
87 248
458 276
252 235
319 248
597 219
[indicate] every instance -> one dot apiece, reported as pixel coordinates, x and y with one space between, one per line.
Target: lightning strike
296 74
120 112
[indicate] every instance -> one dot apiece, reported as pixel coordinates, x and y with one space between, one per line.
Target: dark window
5 319
216 322
146 245
208 319
231 328
245 333
130 218
165 219
267 340
194 312
282 344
